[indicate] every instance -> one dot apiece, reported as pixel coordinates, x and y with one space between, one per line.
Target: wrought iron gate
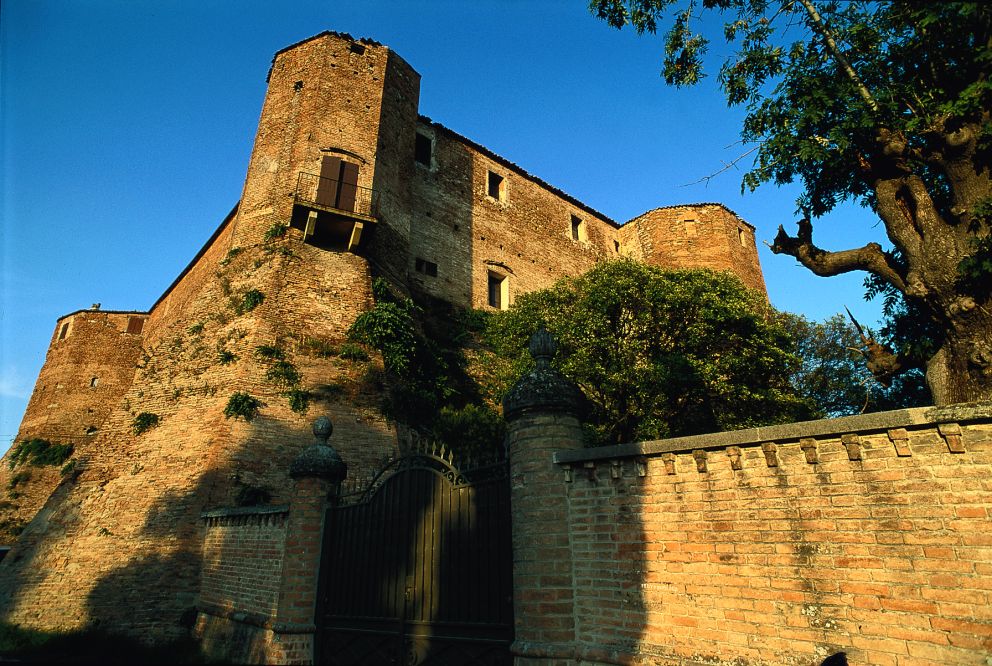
416 569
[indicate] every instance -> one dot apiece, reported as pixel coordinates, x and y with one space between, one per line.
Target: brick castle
366 187
868 535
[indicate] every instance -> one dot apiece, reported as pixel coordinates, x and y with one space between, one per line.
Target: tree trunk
961 370
933 242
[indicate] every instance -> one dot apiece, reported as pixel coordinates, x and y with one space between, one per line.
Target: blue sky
126 126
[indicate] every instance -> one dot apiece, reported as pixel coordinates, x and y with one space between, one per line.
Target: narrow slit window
64 331
616 246
495 186
741 237
423 150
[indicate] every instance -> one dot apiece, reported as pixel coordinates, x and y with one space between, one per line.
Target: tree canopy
658 353
832 376
882 103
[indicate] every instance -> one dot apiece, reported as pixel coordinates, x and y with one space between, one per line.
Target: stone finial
543 389
322 429
320 460
542 347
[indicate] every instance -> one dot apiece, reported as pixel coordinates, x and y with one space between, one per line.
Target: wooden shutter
349 186
327 187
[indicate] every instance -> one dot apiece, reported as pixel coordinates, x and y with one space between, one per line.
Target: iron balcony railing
335 195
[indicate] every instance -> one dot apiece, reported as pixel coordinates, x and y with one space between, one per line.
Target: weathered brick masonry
782 545
120 542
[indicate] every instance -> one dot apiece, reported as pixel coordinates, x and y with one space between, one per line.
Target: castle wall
128 523
781 545
441 229
390 235
523 234
698 236
119 541
89 366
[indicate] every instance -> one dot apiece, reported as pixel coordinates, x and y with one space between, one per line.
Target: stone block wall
869 535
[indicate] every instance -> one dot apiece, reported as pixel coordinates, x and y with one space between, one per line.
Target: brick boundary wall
243 552
868 534
258 587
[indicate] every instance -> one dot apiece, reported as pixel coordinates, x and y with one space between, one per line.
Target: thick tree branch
881 361
821 27
869 258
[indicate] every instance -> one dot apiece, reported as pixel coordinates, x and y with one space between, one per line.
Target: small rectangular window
616 246
494 291
495 186
423 149
578 232
742 237
426 267
134 325
690 227
64 331
499 291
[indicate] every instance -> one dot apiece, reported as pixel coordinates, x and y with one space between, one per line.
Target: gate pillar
543 413
317 474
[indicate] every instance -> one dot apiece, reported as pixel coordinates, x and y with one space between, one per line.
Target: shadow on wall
81 563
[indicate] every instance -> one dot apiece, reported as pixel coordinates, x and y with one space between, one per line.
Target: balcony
334 196
332 213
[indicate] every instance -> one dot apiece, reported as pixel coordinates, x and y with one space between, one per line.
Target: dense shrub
250 300
144 422
243 405
38 453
